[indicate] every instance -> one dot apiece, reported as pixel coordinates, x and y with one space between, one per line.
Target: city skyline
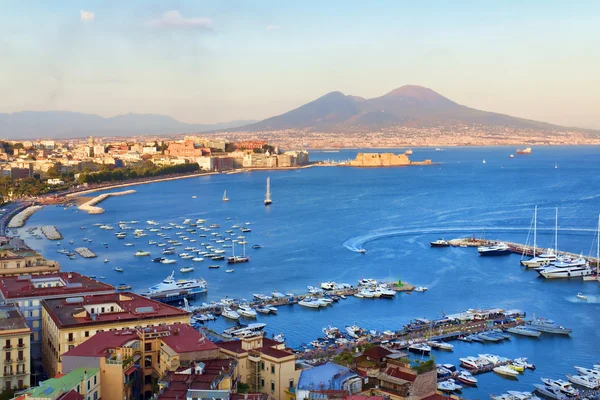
219 61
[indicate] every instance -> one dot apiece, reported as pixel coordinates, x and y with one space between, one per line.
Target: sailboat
238 259
268 194
555 165
546 258
484 161
225 198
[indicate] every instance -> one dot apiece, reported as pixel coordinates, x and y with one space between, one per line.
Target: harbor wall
91 207
19 220
384 160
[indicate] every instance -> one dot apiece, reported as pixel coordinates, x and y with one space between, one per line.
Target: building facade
14 339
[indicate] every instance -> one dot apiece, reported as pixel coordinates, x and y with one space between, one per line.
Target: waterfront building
79 384
68 322
14 339
16 259
327 381
28 291
186 149
132 360
264 364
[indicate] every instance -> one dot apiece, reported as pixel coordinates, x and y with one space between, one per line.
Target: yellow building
68 322
17 259
132 361
14 339
264 364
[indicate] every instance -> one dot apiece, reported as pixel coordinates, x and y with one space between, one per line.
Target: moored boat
524 331
498 249
439 243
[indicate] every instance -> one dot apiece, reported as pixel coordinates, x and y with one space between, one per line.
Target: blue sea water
320 215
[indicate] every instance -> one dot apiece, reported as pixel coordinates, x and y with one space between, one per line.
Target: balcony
20 360
254 357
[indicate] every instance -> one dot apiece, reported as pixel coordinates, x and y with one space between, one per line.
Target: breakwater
51 232
19 220
85 252
91 207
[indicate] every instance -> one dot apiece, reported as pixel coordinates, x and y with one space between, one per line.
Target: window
262 382
35 313
70 337
272 368
8 356
291 383
20 356
272 386
36 324
7 385
93 310
20 384
147 379
89 384
35 303
20 344
262 365
87 334
7 344
147 346
71 347
94 380
95 395
102 309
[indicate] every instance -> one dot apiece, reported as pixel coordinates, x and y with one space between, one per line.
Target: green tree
52 172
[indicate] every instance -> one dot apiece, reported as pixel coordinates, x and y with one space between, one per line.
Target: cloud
86 16
272 27
174 20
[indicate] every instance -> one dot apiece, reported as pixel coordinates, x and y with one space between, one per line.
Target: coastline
20 219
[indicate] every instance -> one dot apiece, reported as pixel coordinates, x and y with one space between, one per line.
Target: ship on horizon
524 151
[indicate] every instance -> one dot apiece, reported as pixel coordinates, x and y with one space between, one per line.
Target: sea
321 216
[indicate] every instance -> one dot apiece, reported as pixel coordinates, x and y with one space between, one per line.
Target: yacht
280 338
385 292
246 311
491 358
441 345
230 314
309 302
499 249
171 289
564 386
591 372
524 331
420 348
551 392
472 362
587 381
440 243
186 269
268 200
581 296
420 289
541 260
566 269
225 198
328 286
367 282
141 253
448 386
331 332
168 261
467 378
506 371
548 326
123 286
354 331
118 269
121 235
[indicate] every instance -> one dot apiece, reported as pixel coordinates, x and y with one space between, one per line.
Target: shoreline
90 206
20 219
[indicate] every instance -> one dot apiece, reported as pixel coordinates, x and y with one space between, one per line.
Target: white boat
471 362
492 359
118 269
551 392
280 338
268 193
229 270
385 291
467 378
543 259
420 289
420 348
128 245
562 385
170 287
506 371
225 198
121 235
587 371
354 331
230 314
328 285
367 282
441 345
309 302
448 386
331 332
186 269
246 311
484 161
106 260
524 331
197 259
587 381
567 269
141 253
498 249
168 261
581 296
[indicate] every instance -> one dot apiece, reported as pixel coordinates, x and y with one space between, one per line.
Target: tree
243 387
52 172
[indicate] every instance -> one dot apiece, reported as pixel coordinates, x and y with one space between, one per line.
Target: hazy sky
206 61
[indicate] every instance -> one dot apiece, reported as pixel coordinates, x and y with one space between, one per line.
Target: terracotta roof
133 308
275 353
185 339
99 344
396 373
436 396
232 345
71 284
376 352
356 397
71 395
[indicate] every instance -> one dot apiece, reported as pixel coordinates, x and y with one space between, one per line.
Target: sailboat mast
556 232
534 231
598 250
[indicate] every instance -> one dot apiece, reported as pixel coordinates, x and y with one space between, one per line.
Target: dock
85 252
51 232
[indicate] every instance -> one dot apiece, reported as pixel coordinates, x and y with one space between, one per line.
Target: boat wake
590 299
357 243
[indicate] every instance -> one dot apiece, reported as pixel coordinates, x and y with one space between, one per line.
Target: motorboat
420 348
123 286
489 337
492 359
331 332
522 361
168 261
105 260
186 269
498 249
214 266
197 259
506 371
472 362
524 331
367 282
516 367
581 296
328 286
262 310
256 246
261 297
128 245
587 381
385 292
141 253
440 243
170 287
246 311
121 235
118 269
280 338
309 302
566 269
595 372
565 387
272 309
443 373
540 260
230 314
448 386
441 345
551 392
467 378
354 331
548 326
421 289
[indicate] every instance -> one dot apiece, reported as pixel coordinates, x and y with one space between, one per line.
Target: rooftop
106 308
50 387
333 374
179 383
376 352
55 284
11 319
185 339
99 344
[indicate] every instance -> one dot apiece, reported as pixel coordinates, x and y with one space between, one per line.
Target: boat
123 286
498 249
106 260
587 381
229 270
595 372
331 332
421 289
384 292
309 302
511 156
354 331
526 150
492 359
440 243
121 235
581 296
197 259
118 269
484 161
170 289
524 331
268 200
420 348
516 367
128 245
550 392
467 378
141 253
225 198
186 269
506 371
238 259
448 386
214 266
522 361
565 387
256 246
548 326
246 311
262 310
441 345
280 338
544 258
230 314
328 285
566 269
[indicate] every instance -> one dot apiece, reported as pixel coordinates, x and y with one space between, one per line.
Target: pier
91 207
85 252
19 219
51 232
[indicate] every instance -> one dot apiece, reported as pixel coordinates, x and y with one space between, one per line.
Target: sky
207 61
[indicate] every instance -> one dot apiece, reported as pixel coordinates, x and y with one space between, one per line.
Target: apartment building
16 259
14 339
79 384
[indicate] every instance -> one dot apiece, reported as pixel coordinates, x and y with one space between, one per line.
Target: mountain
406 106
66 124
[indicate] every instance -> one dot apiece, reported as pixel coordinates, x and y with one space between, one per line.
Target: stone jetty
19 220
51 232
85 252
91 207
384 160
